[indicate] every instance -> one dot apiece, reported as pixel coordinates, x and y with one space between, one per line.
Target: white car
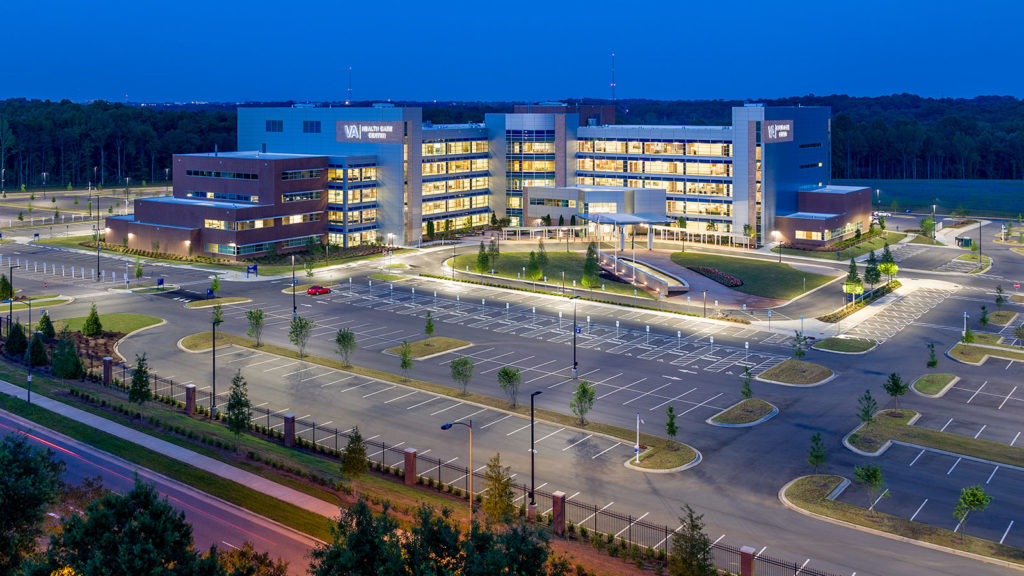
881 214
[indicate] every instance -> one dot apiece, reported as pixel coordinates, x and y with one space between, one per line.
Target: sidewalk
178 453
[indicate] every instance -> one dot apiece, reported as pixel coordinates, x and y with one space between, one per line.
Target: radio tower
348 96
613 78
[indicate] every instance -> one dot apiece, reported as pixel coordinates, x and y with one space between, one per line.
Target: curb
125 337
874 531
774 412
186 305
787 384
884 447
940 393
696 460
815 347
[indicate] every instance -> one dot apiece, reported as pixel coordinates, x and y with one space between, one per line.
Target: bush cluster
866 299
717 275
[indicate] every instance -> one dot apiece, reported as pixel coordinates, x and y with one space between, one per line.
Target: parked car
317 290
881 214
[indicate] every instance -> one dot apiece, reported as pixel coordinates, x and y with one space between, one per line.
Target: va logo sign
352 131
772 131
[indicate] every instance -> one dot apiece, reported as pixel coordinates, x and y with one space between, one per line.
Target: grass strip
796 372
216 301
124 323
876 243
932 384
301 288
1002 317
976 354
747 411
809 493
892 425
765 278
663 459
512 265
431 346
203 341
849 345
37 303
268 506
922 239
387 277
972 257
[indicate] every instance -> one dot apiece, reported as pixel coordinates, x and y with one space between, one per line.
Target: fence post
558 512
107 364
289 430
190 399
747 561
410 466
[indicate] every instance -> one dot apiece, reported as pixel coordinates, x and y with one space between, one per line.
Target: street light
10 312
96 230
933 222
213 373
532 512
778 236
467 424
575 371
705 303
295 308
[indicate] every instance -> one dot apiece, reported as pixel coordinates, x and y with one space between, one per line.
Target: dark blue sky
487 50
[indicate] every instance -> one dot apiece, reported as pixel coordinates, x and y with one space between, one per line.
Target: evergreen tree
36 354
16 343
533 271
66 362
932 360
542 255
428 329
498 505
591 267
572 220
1000 296
239 408
493 251
888 265
246 561
430 230
353 457
871 273
483 261
691 548
968 337
745 390
5 288
866 407
895 386
92 326
362 544
799 345
30 485
671 428
816 452
139 390
433 546
45 327
138 268
561 220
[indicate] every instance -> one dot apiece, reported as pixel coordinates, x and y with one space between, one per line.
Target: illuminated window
301 196
215 224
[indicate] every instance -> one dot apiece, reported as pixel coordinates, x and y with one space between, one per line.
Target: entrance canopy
625 219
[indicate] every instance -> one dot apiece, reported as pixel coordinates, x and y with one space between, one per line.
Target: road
214 522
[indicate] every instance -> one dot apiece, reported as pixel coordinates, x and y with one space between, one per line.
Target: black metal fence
598 521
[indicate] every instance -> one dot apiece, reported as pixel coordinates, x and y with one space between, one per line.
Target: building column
558 513
410 466
747 561
108 363
289 430
190 399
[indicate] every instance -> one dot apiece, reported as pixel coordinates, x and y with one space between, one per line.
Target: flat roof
808 215
832 189
200 202
253 154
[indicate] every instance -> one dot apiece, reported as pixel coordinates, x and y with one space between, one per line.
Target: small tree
968 337
888 265
430 230
353 458
217 314
895 386
45 327
972 499
671 428
533 270
92 326
462 371
932 360
745 390
871 479
498 504
256 322
866 407
799 345
16 343
298 333
215 285
493 251
509 380
139 391
406 358
561 220
138 268
872 275
881 223
582 401
1000 296
816 452
542 255
853 284
691 548
591 267
345 344
681 223
239 409
428 329
66 363
5 288
984 316
928 226
36 354
483 261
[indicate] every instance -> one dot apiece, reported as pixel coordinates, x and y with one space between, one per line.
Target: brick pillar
108 363
410 466
747 561
289 429
190 399
558 512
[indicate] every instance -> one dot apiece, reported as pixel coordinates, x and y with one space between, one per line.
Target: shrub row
833 317
717 275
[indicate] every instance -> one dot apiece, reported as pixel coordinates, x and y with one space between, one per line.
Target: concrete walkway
175 452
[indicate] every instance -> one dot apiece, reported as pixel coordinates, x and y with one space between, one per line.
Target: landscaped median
387 277
217 301
934 385
676 453
794 372
809 495
1002 317
38 302
984 347
845 345
745 413
430 347
765 278
985 262
887 426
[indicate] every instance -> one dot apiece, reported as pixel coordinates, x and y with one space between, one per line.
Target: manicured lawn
873 435
202 341
747 411
921 239
764 278
1002 317
431 346
37 303
809 493
932 384
397 265
876 244
973 257
124 323
797 372
511 263
975 354
387 277
215 301
665 459
852 345
1017 250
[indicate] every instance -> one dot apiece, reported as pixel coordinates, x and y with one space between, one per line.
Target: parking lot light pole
575 365
964 332
639 421
532 512
10 311
213 371
295 308
705 303
467 424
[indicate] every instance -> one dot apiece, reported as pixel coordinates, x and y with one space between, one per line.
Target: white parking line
279 367
918 509
356 386
620 388
336 381
877 500
400 397
431 399
980 431
992 474
798 570
263 362
379 391
617 444
468 416
943 429
505 417
588 436
976 391
645 394
1014 441
1007 532
550 435
953 467
297 371
630 525
914 461
761 551
517 430
446 409
1007 398
605 507
701 404
673 399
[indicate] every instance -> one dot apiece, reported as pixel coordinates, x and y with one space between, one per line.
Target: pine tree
430 230
816 452
92 327
31 487
888 265
16 343
866 407
533 271
745 391
353 457
429 328
483 261
542 255
895 386
871 273
405 355
493 252
45 327
5 288
66 363
36 354
139 391
239 408
691 548
671 428
498 505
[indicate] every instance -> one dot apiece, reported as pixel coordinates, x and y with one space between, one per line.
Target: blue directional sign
209 293
295 281
36 234
579 330
159 282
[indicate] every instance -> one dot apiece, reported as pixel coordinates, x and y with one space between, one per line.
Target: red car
317 290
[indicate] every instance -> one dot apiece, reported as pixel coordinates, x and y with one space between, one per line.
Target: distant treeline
898 136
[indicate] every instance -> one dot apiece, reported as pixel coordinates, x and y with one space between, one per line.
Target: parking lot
898 315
